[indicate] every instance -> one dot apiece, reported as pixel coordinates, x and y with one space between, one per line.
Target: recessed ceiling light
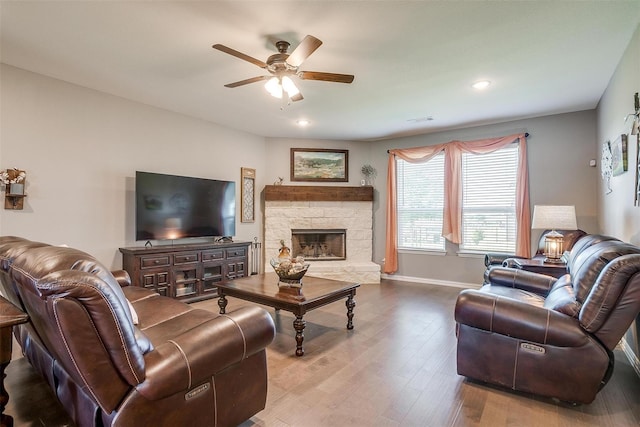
303 122
482 84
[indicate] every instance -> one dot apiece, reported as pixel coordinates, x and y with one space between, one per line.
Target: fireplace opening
319 245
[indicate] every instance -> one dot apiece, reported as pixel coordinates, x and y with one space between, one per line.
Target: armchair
552 337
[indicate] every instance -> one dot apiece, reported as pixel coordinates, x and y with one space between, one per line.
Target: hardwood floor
395 368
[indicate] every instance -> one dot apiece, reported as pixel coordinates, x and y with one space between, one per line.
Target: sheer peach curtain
452 220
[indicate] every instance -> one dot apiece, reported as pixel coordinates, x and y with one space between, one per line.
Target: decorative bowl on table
290 271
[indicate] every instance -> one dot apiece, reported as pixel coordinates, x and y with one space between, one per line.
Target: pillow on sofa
562 297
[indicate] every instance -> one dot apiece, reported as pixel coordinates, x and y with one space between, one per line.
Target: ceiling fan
282 66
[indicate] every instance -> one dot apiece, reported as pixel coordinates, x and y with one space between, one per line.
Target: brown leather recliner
118 355
547 336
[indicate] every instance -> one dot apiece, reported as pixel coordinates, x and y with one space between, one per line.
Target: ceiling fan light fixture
289 87
274 87
282 66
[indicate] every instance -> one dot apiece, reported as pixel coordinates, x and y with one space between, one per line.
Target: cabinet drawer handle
156 261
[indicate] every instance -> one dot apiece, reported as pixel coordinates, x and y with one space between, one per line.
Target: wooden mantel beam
316 193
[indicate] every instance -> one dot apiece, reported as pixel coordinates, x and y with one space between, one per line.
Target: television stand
188 272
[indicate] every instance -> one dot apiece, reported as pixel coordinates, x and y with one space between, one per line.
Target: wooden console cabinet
188 272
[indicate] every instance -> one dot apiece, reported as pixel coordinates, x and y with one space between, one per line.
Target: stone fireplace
334 225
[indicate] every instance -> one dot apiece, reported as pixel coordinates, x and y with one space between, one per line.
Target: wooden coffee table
315 292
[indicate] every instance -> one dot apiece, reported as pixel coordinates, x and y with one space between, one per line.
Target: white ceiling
411 59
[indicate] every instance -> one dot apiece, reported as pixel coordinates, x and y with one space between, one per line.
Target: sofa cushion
562 297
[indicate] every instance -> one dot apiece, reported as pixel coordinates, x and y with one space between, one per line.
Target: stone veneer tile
355 217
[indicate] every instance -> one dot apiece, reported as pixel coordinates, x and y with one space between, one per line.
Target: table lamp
554 218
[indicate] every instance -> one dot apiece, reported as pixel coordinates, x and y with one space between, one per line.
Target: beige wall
559 150
617 213
278 158
618 216
81 148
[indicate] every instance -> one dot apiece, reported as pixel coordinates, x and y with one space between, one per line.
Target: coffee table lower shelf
316 292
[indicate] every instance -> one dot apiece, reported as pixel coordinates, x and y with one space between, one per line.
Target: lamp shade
554 217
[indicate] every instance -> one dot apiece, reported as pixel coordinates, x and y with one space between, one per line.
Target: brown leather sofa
552 337
118 355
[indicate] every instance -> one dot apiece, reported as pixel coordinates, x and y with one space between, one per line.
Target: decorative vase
290 271
284 252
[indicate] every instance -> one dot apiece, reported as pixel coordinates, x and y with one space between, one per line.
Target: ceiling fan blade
297 97
326 77
225 49
247 81
307 46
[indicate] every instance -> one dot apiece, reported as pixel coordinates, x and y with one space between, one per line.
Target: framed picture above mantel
319 165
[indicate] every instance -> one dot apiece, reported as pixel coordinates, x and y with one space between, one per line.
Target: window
489 201
420 204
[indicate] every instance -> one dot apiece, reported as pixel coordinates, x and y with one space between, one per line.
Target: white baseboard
631 356
431 281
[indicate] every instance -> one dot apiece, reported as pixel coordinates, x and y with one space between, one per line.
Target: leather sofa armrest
518 319
193 357
521 279
122 277
496 259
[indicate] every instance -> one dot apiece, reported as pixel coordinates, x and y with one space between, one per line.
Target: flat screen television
170 207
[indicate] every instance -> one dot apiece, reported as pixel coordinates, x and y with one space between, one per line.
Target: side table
537 265
10 315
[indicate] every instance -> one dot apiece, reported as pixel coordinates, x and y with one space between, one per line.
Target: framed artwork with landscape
319 165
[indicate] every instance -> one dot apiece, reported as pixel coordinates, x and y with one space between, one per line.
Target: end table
537 265
10 315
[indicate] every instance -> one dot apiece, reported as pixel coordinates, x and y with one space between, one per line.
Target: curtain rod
526 135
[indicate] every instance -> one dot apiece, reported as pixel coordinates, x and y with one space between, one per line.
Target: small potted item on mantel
13 179
369 173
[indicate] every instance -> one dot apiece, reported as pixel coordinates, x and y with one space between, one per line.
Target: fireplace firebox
319 245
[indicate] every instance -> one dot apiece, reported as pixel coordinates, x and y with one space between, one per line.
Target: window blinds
420 201
489 198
